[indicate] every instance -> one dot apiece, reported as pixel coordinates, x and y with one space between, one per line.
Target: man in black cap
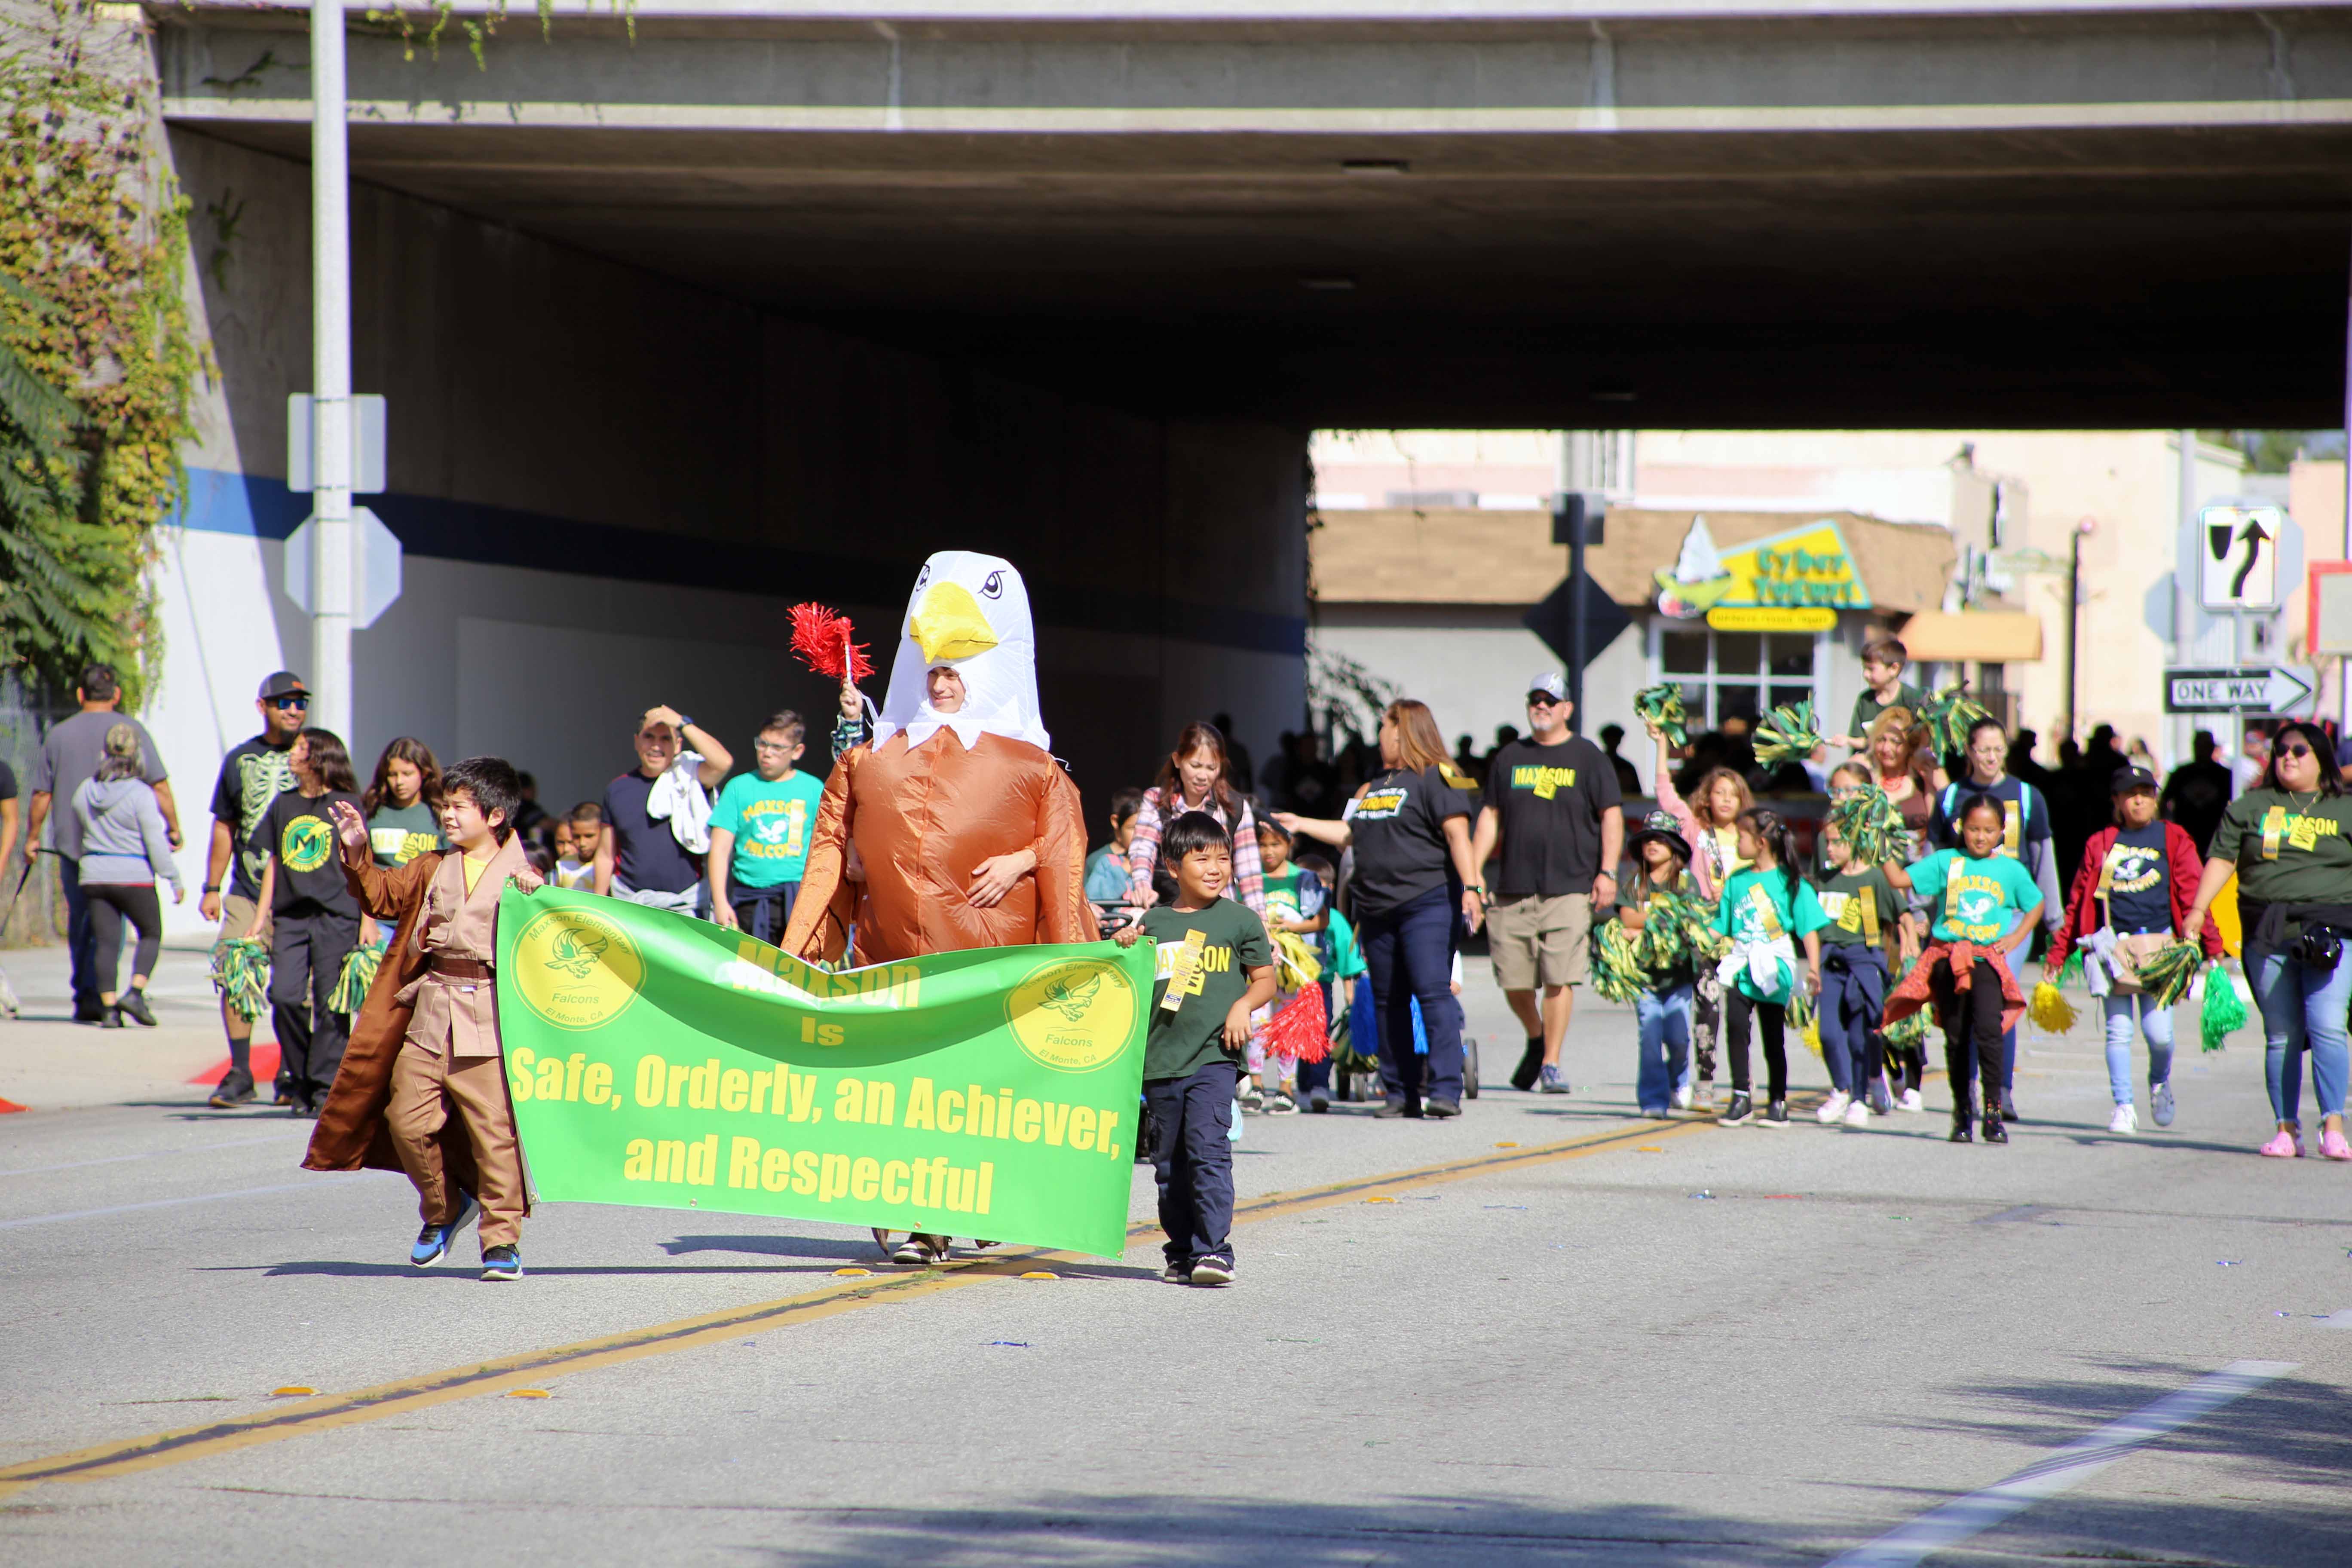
251 776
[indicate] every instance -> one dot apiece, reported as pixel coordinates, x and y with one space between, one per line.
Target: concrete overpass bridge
775 296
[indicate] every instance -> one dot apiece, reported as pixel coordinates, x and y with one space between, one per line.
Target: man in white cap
1555 812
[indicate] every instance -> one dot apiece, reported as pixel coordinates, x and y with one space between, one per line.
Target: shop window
1727 675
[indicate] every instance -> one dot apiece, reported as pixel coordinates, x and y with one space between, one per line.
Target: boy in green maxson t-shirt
1216 965
759 834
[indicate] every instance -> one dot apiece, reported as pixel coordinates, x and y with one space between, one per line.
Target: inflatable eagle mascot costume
934 795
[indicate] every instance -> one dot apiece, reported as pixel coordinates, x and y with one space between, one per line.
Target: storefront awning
1982 636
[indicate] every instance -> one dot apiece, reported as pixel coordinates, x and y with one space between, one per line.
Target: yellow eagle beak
949 623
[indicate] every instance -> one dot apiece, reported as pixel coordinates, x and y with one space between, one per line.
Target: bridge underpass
822 290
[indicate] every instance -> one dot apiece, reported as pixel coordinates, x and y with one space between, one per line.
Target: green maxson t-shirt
1232 942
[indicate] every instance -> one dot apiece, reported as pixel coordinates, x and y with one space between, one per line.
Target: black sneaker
1774 1114
1742 1108
501 1263
1961 1134
90 1012
1523 1077
1440 1109
1994 1132
1318 1100
1213 1271
134 1003
235 1089
111 1018
1390 1108
1178 1272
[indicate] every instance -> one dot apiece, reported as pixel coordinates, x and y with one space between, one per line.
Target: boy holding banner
1216 966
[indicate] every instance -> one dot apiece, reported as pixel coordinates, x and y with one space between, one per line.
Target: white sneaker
1911 1102
1701 1097
1857 1113
1833 1108
2125 1120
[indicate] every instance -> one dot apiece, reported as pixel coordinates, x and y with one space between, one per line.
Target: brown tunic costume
426 897
922 818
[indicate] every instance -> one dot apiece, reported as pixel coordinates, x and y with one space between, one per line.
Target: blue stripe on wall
257 507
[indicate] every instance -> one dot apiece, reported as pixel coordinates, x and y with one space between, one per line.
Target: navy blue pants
1410 951
1852 1001
764 912
1191 1149
81 937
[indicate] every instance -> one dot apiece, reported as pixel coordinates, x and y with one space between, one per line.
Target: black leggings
1736 1008
1971 1034
111 903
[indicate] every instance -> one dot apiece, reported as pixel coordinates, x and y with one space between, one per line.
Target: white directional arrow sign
2247 689
2238 563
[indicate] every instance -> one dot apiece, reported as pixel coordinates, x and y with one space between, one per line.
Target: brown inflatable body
921 818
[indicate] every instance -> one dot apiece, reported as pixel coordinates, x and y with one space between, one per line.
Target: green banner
658 1061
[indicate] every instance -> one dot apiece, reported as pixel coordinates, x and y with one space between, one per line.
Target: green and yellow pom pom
2168 972
241 973
1789 733
351 985
1662 705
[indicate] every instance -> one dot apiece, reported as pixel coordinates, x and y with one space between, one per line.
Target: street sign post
2238 565
2242 688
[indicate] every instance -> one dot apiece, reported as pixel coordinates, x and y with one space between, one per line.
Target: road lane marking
310 1185
1958 1521
155 1154
529 1368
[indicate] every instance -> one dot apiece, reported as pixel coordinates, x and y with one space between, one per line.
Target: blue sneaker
501 1263
2160 1098
434 1240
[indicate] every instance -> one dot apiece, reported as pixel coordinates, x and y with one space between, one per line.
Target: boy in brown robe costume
422 1086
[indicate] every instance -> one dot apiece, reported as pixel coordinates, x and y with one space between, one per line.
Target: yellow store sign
1807 568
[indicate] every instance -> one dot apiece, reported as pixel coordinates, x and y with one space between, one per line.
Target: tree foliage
97 364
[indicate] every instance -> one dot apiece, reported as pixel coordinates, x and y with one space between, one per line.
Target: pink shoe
2332 1145
2286 1146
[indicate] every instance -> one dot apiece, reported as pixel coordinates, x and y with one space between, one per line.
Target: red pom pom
821 637
1301 1029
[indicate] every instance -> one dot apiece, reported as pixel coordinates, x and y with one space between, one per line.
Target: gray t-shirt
69 756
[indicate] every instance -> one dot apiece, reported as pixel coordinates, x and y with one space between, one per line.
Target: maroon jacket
2082 912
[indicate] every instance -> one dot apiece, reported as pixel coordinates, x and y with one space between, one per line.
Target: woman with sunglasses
2289 841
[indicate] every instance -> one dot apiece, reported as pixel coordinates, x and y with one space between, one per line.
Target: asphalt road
1680 1344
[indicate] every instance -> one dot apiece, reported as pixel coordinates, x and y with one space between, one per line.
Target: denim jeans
1663 1021
1410 951
2301 1007
81 937
2156 1023
1852 1000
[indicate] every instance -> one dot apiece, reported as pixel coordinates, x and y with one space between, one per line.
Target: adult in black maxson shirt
254 774
1409 827
1554 805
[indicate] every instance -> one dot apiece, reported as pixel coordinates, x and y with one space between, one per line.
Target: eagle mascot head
971 614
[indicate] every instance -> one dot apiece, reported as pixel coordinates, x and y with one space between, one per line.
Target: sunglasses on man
297 702
1544 699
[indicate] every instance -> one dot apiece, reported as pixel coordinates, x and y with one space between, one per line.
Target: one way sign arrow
2249 688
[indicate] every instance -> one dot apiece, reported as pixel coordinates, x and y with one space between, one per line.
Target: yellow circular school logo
307 844
1073 1014
577 968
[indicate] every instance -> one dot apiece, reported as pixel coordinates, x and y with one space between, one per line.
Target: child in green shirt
1215 967
1765 909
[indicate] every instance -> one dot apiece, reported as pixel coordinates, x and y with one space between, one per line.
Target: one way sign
2249 688
2238 567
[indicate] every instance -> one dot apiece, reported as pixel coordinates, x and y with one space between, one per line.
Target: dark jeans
110 904
82 938
1192 1120
1971 1034
763 912
1852 1000
1737 1008
307 953
1410 951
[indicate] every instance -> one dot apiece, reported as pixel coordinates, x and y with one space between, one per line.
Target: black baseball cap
285 683
2129 779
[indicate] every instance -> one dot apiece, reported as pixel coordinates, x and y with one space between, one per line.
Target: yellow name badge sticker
1073 1015
577 968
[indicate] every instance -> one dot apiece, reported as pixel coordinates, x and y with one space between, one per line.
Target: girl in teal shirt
1765 909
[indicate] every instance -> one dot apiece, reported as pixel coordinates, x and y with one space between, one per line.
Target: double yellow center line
157 1449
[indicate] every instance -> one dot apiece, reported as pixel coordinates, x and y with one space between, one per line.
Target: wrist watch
209 887
1477 887
684 723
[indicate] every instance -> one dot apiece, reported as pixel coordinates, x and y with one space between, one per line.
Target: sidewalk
47 1062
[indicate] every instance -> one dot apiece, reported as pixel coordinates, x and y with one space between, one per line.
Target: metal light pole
2074 616
331 379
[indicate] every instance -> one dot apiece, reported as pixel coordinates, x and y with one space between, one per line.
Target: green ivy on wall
94 230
